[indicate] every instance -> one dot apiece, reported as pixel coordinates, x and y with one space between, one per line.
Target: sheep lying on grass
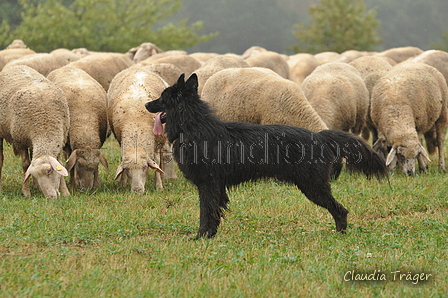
259 96
408 101
133 127
34 115
88 124
339 95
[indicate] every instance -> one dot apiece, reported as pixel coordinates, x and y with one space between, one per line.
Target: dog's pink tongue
158 127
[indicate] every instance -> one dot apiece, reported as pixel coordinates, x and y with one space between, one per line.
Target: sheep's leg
1 161
440 145
25 164
63 187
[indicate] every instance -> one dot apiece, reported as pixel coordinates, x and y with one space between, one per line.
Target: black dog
216 155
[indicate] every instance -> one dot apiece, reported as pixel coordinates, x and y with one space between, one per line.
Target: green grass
273 242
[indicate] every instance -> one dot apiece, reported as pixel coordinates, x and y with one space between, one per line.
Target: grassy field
273 242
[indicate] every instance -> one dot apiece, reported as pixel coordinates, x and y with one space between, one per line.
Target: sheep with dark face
88 124
34 118
410 100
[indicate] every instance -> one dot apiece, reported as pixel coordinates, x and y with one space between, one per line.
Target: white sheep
300 66
169 72
371 68
103 66
185 63
260 96
143 51
408 101
133 126
34 115
12 54
88 124
339 95
437 59
216 64
270 60
203 56
17 44
327 56
400 54
44 63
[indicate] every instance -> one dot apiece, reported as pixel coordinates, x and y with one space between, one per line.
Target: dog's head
173 103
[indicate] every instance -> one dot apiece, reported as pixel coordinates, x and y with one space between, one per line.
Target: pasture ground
273 242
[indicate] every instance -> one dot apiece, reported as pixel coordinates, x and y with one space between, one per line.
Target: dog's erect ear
192 81
181 79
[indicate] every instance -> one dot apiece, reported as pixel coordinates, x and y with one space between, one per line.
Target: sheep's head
85 163
137 173
406 155
48 172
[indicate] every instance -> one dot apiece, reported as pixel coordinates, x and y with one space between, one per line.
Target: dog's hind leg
319 192
213 201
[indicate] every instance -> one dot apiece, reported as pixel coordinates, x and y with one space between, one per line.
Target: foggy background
269 23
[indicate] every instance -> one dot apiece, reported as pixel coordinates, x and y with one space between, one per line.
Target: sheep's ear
27 175
391 156
181 79
424 153
58 167
192 82
120 171
153 165
71 161
103 160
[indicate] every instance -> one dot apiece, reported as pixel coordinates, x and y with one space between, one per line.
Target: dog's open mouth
158 121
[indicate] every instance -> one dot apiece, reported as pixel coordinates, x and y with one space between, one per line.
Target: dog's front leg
210 210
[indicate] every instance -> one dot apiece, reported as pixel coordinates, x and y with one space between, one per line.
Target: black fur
215 155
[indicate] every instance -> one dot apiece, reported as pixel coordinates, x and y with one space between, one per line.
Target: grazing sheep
325 57
2 62
17 44
259 96
44 63
253 51
408 101
203 57
216 64
169 72
164 55
133 126
300 66
371 68
12 54
88 124
339 95
143 51
185 63
400 54
103 66
34 115
435 58
270 60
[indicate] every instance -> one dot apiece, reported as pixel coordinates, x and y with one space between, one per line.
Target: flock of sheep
67 102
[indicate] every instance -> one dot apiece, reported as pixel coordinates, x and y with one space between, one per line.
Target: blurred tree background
219 26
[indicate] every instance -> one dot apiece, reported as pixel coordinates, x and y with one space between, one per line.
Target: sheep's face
48 173
137 173
406 155
86 163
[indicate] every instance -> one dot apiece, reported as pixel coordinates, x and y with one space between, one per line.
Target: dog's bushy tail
359 156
